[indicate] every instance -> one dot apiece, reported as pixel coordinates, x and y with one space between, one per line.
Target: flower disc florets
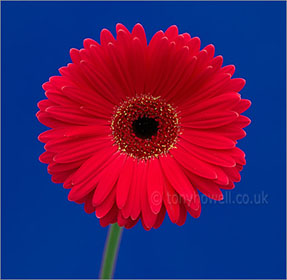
145 126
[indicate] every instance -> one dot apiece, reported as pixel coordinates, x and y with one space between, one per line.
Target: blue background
45 236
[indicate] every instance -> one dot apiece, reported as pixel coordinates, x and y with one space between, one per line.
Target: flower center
145 126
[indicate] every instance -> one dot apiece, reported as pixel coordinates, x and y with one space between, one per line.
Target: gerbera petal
160 218
231 131
99 82
190 162
43 104
62 176
126 210
222 178
124 50
207 187
107 179
70 115
75 55
132 207
110 218
47 86
106 37
230 69
242 106
121 220
216 157
58 98
131 223
179 75
138 65
195 213
194 45
171 201
103 209
229 186
97 162
238 155
209 89
155 186
139 183
88 42
118 65
216 104
242 121
88 98
46 157
172 32
88 207
232 173
74 132
216 62
236 84
48 120
210 51
62 167
72 75
186 37
148 217
138 31
207 139
78 152
180 42
178 180
124 182
182 214
120 26
155 71
209 120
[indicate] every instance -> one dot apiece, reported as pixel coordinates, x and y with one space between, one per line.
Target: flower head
138 129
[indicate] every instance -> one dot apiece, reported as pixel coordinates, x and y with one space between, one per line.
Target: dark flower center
145 128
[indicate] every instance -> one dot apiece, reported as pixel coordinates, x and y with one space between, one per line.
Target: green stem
110 252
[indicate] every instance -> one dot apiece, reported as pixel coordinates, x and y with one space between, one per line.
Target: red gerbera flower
138 129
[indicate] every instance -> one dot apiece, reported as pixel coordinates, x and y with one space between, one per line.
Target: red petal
138 31
148 217
155 185
216 157
88 207
106 37
160 218
178 180
171 201
139 183
107 204
124 182
188 161
216 104
242 106
46 157
233 173
107 179
182 214
172 32
207 187
209 119
207 140
97 162
110 218
80 151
